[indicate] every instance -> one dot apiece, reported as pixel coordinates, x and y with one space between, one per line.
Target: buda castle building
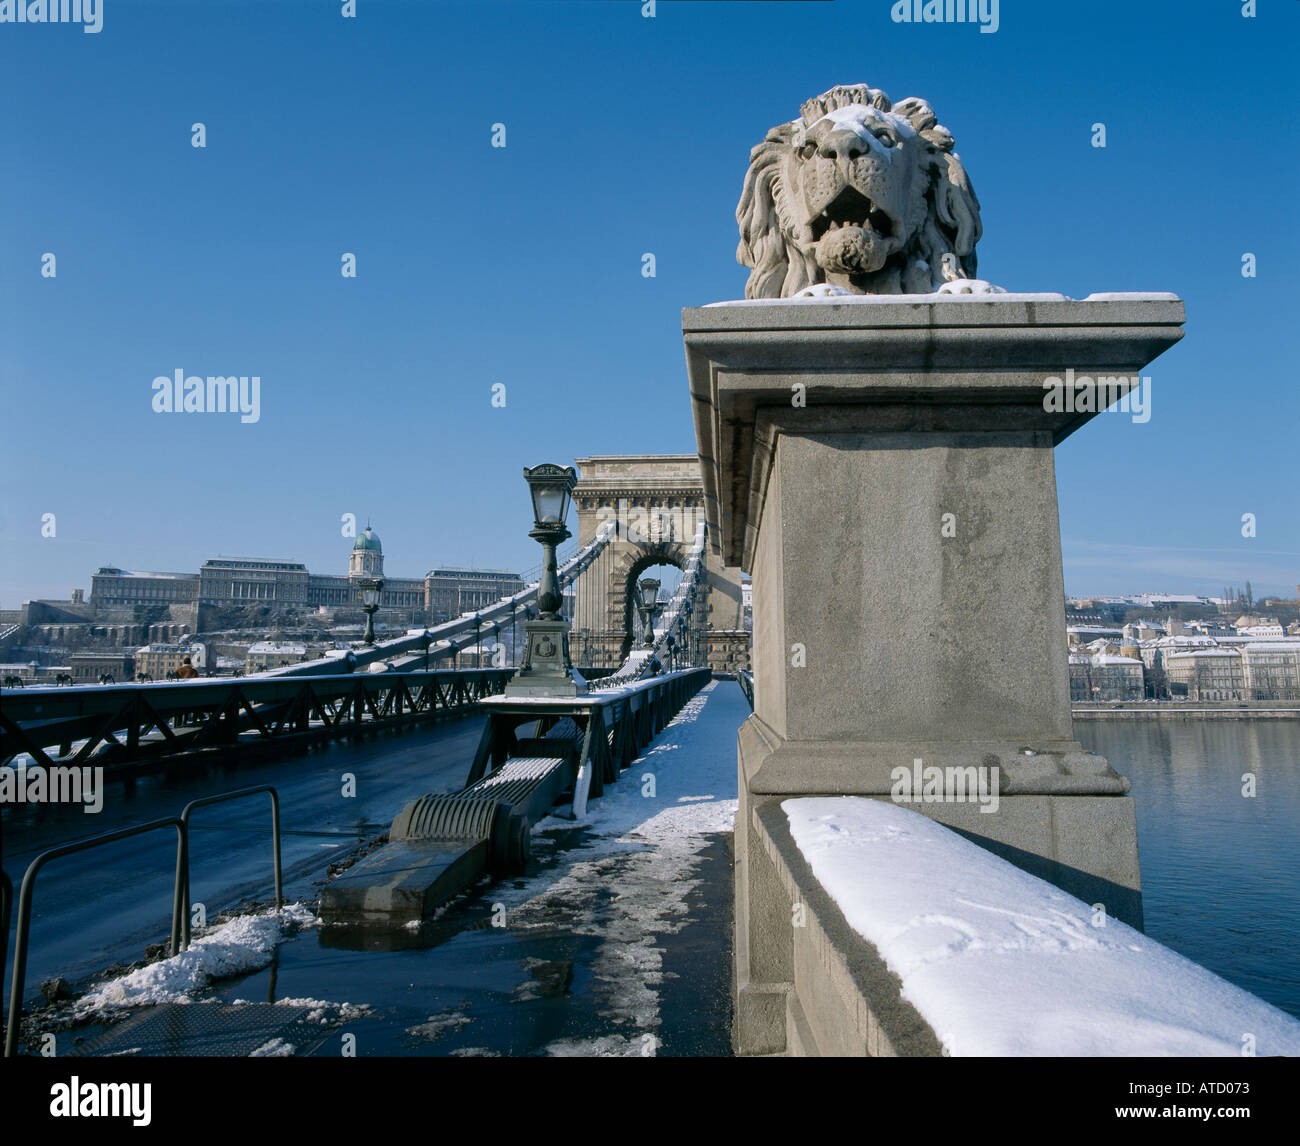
225 582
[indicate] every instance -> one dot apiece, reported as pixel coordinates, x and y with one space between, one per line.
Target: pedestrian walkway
617 941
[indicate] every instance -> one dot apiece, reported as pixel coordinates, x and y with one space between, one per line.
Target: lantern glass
548 504
550 487
649 591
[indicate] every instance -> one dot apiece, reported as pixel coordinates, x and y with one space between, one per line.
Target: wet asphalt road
607 950
106 906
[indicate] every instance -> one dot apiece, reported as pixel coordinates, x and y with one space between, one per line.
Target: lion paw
822 290
970 286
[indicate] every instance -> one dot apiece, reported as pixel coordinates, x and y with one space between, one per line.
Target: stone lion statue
861 194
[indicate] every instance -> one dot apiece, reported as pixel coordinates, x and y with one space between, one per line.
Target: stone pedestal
883 468
545 669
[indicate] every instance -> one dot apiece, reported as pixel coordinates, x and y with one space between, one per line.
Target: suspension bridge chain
446 639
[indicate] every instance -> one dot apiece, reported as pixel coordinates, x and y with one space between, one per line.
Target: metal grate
207 1029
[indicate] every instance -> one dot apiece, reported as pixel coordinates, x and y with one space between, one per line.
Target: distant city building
268 655
1143 600
156 660
26 671
449 592
480 656
1262 631
1103 676
1214 629
365 560
1084 634
1271 670
1101 646
87 668
110 587
1159 600
1153 653
252 581
1206 674
1139 631
225 582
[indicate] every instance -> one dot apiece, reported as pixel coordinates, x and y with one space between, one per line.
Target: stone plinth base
545 670
883 467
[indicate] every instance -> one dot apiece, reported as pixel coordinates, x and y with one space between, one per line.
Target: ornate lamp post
546 669
649 590
370 589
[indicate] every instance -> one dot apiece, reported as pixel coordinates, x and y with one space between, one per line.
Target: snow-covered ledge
907 939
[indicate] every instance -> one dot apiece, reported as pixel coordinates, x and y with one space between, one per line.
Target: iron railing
6 906
25 907
275 848
127 723
746 682
616 724
180 926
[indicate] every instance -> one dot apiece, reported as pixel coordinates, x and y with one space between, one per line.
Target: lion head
859 193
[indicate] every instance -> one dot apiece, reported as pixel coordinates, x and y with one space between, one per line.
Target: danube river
1220 871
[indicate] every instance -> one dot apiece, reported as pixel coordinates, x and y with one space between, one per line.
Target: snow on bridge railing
442 640
1001 963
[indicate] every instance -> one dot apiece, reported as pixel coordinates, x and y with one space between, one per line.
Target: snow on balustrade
999 962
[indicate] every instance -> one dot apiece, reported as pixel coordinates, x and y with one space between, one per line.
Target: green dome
368 539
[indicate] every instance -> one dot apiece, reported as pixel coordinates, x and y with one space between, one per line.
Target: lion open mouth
850 208
852 235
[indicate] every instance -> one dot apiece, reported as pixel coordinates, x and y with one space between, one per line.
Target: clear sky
523 265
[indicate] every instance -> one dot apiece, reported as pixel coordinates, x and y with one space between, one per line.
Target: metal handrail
275 848
746 682
58 717
6 906
25 907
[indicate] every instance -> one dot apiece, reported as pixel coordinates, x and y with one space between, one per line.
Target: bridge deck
616 940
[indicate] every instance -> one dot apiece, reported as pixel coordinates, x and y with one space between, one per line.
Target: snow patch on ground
325 1012
438 1024
630 879
1002 963
245 943
693 765
273 1048
606 1046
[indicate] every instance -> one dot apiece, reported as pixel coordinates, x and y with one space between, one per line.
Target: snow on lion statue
860 194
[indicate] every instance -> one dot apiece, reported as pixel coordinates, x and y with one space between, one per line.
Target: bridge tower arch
656 502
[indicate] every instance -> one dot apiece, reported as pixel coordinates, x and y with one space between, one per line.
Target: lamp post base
546 669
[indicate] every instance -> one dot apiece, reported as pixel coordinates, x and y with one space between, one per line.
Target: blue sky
522 265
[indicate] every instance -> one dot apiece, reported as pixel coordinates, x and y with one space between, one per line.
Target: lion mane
858 192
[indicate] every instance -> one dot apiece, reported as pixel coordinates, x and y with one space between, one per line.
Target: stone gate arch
655 502
627 569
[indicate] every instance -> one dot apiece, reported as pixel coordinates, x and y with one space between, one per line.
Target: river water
1220 870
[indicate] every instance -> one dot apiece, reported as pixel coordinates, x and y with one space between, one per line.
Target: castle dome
367 539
